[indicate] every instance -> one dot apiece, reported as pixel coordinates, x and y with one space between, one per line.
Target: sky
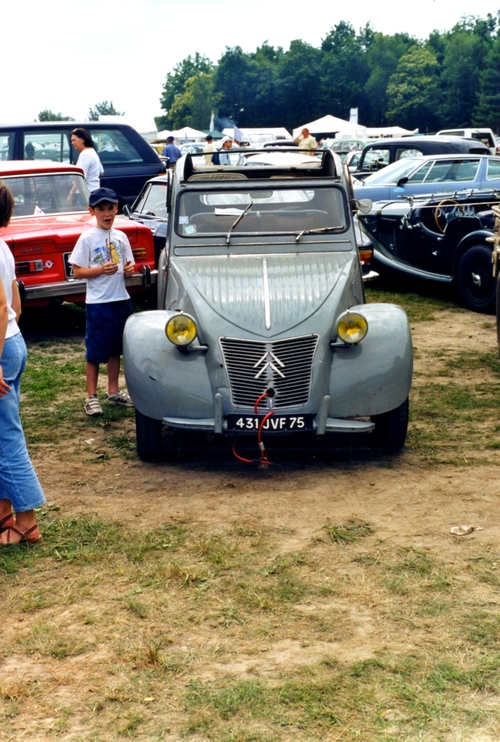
68 56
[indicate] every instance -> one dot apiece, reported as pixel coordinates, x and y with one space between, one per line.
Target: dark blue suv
128 160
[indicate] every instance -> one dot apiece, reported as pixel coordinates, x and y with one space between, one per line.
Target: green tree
413 90
487 111
175 83
300 95
105 108
461 69
194 106
232 85
382 60
48 115
344 70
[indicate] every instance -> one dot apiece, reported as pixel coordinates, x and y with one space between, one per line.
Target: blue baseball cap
102 194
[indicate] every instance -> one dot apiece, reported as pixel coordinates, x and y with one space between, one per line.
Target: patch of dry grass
230 632
190 632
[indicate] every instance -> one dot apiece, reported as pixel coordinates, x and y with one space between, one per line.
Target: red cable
263 454
256 405
245 461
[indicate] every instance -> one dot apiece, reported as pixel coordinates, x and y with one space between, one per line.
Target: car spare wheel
149 437
390 428
475 282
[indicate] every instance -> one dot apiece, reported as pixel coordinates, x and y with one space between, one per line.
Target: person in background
88 158
209 149
227 143
306 141
29 152
171 151
20 490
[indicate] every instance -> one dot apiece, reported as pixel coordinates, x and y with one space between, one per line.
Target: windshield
392 173
36 195
270 211
153 201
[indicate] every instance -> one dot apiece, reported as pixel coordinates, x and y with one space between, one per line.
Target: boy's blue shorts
104 329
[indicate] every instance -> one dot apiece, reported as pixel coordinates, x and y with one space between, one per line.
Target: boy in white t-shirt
104 257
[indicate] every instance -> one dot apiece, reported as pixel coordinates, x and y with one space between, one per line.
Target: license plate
274 424
68 267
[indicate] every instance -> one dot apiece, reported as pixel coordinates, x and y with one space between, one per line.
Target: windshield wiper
317 231
237 221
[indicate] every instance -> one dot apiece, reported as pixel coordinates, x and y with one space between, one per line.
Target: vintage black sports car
443 238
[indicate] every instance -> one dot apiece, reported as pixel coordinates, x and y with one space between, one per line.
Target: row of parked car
262 326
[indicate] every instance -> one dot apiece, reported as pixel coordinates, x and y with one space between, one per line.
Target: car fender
479 237
161 380
374 376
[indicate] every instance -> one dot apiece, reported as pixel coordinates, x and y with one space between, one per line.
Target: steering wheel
437 213
159 206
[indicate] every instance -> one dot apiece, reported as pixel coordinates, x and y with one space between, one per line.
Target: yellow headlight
352 327
180 330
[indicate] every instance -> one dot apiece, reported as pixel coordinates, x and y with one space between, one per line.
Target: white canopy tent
379 132
326 125
187 132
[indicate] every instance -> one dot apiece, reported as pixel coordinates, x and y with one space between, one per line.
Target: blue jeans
18 481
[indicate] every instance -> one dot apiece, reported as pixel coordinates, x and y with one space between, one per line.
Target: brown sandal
36 538
7 522
31 536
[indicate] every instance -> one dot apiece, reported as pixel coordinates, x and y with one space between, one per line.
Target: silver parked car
262 326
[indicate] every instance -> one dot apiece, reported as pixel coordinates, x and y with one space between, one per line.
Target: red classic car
50 213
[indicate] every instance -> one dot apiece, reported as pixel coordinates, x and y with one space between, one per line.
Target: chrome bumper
75 287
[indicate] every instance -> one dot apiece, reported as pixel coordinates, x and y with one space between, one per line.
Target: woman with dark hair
20 490
88 158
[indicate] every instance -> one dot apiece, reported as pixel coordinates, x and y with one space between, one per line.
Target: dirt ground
405 499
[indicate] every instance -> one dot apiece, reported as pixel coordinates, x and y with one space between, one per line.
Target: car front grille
285 366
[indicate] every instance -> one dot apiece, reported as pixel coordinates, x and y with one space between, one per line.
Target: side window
113 146
7 145
421 173
465 170
402 152
493 170
375 159
453 171
46 145
439 172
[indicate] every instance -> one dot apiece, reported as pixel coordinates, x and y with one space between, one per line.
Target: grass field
220 631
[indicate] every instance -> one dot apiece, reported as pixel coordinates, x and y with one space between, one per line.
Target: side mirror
126 210
364 205
402 181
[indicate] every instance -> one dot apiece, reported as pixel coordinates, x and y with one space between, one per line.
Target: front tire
475 282
148 437
391 428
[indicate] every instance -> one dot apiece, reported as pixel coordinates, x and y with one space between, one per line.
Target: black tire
391 427
149 437
475 282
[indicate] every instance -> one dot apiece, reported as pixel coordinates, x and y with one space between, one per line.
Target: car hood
61 228
264 294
